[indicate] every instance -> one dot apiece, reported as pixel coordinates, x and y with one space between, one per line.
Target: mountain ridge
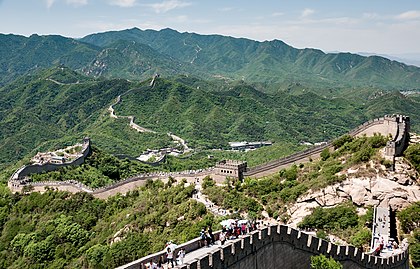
273 64
276 58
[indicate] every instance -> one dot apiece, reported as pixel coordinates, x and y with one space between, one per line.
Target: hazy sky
381 26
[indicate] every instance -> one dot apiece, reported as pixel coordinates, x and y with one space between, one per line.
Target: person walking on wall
160 263
211 235
222 238
170 257
181 256
203 238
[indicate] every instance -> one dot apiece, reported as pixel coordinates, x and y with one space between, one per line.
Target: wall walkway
276 247
397 126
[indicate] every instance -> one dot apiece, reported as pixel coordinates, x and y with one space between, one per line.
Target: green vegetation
410 225
342 221
322 262
339 217
276 192
49 109
62 230
285 97
272 62
412 153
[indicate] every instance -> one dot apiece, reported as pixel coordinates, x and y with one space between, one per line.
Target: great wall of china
276 247
397 126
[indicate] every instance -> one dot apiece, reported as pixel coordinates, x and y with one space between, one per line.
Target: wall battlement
397 126
279 247
19 177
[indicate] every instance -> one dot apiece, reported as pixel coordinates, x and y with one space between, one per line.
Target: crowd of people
230 231
391 246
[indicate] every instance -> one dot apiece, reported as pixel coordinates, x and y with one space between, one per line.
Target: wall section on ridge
397 126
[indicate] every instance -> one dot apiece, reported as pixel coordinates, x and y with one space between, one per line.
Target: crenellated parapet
279 247
396 126
20 177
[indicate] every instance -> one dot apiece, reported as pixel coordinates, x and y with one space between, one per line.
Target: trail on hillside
141 129
63 84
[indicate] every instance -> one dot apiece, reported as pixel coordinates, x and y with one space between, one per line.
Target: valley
133 91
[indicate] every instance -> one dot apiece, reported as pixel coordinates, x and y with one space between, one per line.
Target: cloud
409 15
166 6
277 14
371 16
77 2
307 12
49 3
123 3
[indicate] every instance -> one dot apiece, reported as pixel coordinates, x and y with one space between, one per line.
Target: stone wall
279 247
397 126
18 179
39 168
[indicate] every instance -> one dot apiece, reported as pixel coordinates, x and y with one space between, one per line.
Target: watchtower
230 168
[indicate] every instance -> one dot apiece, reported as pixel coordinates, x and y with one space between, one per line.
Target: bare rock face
120 235
396 189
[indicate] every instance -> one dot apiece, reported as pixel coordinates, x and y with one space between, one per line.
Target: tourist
222 238
160 263
243 229
203 237
181 256
208 239
211 235
170 257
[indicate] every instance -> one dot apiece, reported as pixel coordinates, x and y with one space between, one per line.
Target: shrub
322 262
339 217
412 153
338 143
361 238
325 154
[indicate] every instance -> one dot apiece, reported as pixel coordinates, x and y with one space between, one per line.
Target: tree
412 153
27 188
325 154
322 262
95 255
342 140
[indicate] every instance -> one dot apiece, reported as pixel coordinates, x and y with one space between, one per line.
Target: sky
376 26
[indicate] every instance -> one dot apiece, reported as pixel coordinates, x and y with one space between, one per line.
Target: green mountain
269 61
128 59
136 55
58 106
36 109
22 55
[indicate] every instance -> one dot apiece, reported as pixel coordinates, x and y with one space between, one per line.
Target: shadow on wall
279 247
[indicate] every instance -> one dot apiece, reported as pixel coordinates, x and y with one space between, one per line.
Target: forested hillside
208 90
62 230
58 106
137 54
269 61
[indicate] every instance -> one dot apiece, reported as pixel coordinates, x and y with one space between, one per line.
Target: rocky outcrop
368 185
